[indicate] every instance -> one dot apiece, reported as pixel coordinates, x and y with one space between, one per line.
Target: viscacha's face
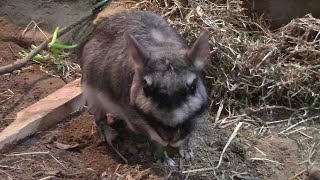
167 90
172 95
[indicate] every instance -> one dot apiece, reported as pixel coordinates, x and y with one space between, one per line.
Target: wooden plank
44 114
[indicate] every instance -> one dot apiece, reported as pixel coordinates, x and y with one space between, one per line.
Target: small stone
314 173
65 146
104 175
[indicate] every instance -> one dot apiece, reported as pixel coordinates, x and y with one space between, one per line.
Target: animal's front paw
169 163
186 154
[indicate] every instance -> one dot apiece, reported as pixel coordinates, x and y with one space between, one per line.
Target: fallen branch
298 174
265 159
22 62
119 154
298 123
27 153
8 167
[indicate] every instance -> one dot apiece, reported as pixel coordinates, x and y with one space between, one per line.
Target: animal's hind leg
107 133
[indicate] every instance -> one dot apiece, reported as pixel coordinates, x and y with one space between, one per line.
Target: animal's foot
160 154
106 133
169 163
186 154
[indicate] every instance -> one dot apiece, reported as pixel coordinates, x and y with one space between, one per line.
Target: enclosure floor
267 156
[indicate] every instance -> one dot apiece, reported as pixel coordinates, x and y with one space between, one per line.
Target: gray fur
130 47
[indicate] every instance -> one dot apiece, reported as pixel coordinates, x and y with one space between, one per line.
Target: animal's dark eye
192 87
146 91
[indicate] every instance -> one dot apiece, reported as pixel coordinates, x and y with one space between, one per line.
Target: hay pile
251 69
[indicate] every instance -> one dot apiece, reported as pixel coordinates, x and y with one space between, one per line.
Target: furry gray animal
135 66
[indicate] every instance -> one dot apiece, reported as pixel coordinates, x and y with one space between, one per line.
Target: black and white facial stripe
172 133
179 109
167 133
179 103
174 99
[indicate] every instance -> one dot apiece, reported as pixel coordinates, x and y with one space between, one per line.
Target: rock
314 173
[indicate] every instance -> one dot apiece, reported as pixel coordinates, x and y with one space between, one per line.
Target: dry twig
233 135
22 62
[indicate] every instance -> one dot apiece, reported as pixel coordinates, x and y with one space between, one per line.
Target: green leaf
54 36
55 53
33 46
39 58
23 53
100 5
63 46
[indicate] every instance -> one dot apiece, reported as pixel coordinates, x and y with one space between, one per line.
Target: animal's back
106 63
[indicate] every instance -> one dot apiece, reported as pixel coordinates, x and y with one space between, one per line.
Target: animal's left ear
200 51
137 51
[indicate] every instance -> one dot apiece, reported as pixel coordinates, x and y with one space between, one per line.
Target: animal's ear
137 51
200 51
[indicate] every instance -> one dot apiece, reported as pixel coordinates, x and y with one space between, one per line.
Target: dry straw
251 69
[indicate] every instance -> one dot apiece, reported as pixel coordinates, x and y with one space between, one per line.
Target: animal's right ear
137 51
200 51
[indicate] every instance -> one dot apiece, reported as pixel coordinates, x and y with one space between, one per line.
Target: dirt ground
72 150
48 14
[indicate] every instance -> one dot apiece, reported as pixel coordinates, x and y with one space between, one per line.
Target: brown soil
47 14
276 156
28 86
89 160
